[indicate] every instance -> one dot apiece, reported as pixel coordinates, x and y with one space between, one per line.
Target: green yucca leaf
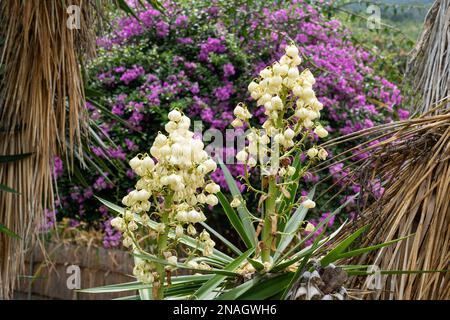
333 255
134 297
360 251
265 289
221 238
292 189
244 214
207 289
236 292
13 157
292 227
7 189
127 286
8 232
256 264
234 220
136 285
309 236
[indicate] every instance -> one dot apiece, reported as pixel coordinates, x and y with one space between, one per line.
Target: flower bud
174 115
321 132
242 156
289 133
135 162
179 231
191 230
237 123
309 204
235 203
312 153
323 154
292 51
252 86
212 200
310 227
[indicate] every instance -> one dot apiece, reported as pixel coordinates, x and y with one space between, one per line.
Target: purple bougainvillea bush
200 60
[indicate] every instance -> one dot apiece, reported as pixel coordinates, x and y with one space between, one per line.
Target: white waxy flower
310 227
275 81
285 60
201 198
235 203
132 226
191 230
251 162
193 216
297 60
312 153
317 105
289 133
147 163
174 115
293 73
308 93
237 123
253 86
277 103
265 73
321 132
155 151
192 264
302 113
239 111
184 123
242 155
135 162
256 94
297 90
179 231
118 223
323 154
164 150
279 138
292 51
160 227
182 216
142 195
172 260
210 165
170 126
212 188
309 204
160 140
212 200
290 171
307 123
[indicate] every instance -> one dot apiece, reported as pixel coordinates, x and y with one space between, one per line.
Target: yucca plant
282 255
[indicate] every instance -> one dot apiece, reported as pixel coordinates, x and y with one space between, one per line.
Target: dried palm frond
429 65
413 162
41 101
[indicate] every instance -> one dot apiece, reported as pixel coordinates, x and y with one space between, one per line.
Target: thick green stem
267 236
162 245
